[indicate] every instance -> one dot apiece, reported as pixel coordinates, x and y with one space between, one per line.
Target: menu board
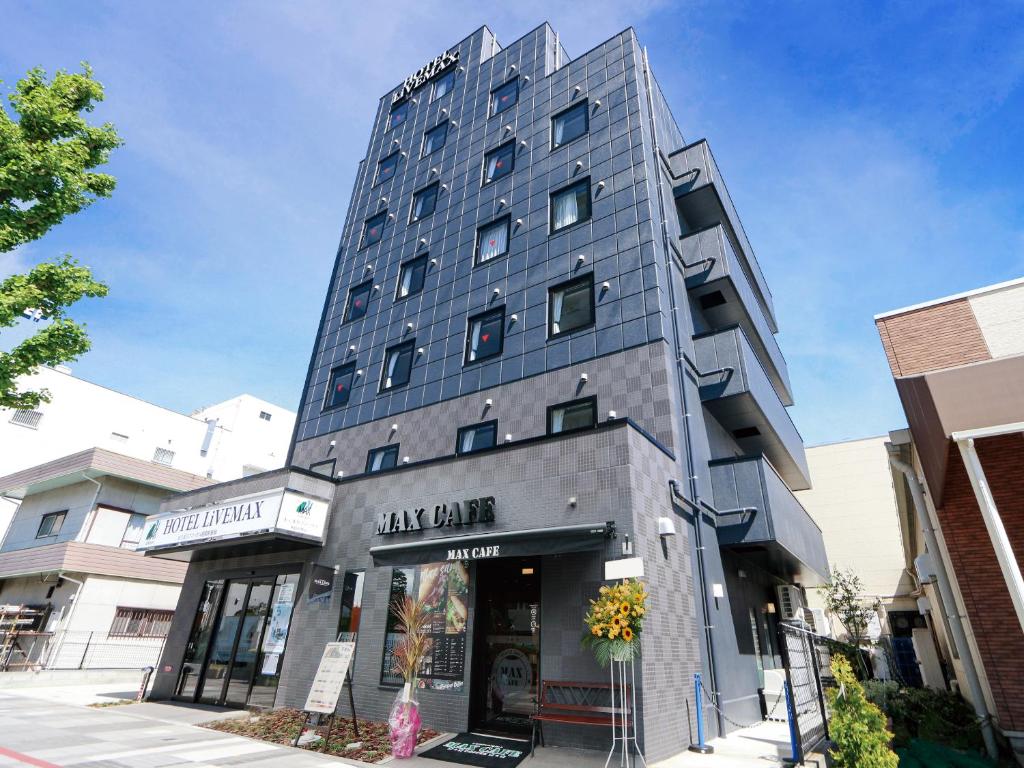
330 677
444 590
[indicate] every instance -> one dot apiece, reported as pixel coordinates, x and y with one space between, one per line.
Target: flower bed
280 726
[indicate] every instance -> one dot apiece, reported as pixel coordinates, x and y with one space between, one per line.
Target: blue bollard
794 743
700 746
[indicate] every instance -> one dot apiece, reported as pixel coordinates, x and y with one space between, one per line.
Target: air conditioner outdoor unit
790 602
818 621
925 567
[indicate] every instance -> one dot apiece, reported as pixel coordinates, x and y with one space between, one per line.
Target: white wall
1000 315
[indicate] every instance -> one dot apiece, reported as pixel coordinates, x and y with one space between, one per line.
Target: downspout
691 471
956 626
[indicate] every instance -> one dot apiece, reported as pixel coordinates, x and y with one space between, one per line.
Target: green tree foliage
47 161
844 600
857 727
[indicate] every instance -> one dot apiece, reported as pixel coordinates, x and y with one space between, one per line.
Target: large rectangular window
571 305
477 437
351 606
504 96
485 336
358 301
339 386
443 85
492 240
51 524
411 277
499 162
397 366
423 203
398 115
140 622
386 168
379 459
435 138
373 229
569 125
570 205
576 414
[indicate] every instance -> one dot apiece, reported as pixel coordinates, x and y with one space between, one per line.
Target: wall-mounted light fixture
612 414
666 527
572 501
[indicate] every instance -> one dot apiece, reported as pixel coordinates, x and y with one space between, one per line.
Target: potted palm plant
405 722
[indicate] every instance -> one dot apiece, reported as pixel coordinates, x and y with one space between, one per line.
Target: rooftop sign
424 73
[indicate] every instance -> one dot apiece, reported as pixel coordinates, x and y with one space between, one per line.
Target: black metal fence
807 658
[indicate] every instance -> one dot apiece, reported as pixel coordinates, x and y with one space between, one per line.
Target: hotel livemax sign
424 73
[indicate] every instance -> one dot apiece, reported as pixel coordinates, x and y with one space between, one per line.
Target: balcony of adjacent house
717 282
760 517
702 200
738 392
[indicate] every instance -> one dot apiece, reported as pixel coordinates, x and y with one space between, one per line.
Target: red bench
574 703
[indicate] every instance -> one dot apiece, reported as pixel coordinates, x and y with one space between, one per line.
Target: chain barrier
714 705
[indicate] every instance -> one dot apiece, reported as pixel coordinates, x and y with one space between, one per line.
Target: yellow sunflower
624 608
627 634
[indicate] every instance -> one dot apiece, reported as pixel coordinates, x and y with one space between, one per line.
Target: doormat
481 751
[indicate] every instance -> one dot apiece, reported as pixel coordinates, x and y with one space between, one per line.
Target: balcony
736 390
715 276
763 519
702 200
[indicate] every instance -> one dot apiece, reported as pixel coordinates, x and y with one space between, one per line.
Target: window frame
462 430
450 72
397 348
405 265
493 98
563 286
585 105
591 400
469 330
383 216
436 186
332 462
147 618
61 515
423 145
401 106
563 190
328 406
397 155
503 146
507 219
346 316
383 449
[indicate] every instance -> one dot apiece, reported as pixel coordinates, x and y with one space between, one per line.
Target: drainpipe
953 620
66 622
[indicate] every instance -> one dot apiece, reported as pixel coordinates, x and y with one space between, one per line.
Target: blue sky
874 152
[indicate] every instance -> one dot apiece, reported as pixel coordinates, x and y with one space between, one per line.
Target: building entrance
506 667
233 656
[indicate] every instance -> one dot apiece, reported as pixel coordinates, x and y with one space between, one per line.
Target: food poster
444 590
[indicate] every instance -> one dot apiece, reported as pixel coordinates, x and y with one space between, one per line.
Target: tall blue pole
700 746
794 742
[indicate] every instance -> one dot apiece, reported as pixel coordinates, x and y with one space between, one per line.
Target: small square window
264 416
380 459
51 524
435 138
411 276
500 162
398 115
569 125
386 168
492 240
340 386
358 301
504 96
163 456
373 229
424 202
397 366
577 414
325 468
571 306
485 336
570 205
443 85
477 437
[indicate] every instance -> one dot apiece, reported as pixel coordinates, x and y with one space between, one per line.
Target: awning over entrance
483 546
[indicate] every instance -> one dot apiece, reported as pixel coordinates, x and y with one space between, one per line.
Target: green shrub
860 739
926 713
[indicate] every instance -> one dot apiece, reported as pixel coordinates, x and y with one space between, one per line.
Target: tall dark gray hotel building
546 344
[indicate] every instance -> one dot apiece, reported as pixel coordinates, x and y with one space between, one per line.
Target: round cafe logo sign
511 673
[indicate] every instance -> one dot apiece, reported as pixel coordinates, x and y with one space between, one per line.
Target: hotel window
264 416
51 524
163 456
499 162
577 414
569 125
485 336
397 366
351 606
477 437
379 459
398 115
340 386
410 277
325 468
492 240
423 203
358 301
504 96
140 622
133 530
435 138
570 205
443 85
386 168
571 305
373 229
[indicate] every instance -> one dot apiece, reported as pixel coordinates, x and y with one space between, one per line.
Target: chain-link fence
78 650
807 658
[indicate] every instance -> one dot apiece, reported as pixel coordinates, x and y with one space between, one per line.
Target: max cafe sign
278 511
468 512
424 73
